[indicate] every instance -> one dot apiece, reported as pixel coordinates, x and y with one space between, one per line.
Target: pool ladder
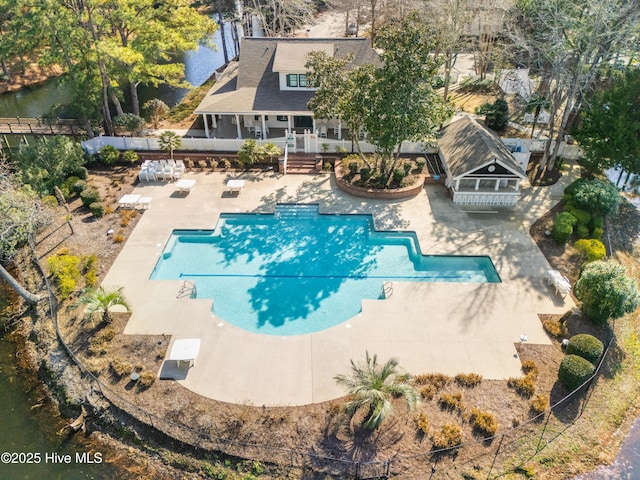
188 288
387 290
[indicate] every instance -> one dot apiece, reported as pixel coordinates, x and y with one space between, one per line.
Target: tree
279 18
534 105
157 110
606 291
572 44
449 20
609 131
21 215
46 164
394 102
372 386
169 141
496 114
103 301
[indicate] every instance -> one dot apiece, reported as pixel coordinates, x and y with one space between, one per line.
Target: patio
473 330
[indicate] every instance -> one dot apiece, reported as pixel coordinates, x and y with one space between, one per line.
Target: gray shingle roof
467 145
251 85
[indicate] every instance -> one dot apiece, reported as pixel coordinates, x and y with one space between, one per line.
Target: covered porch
264 126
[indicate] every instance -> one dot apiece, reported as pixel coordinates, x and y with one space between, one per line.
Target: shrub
539 404
597 222
89 195
582 216
407 168
420 164
65 269
600 197
365 174
50 201
118 238
597 233
89 268
468 379
126 216
423 423
524 386
226 164
129 122
575 185
484 423
438 380
397 176
104 335
450 435
130 156
451 401
81 172
574 371
353 167
592 249
528 471
120 367
606 291
109 154
69 182
585 346
530 367
555 328
582 231
97 209
428 391
563 227
79 186
146 379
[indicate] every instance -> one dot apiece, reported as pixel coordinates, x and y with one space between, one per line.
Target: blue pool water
297 271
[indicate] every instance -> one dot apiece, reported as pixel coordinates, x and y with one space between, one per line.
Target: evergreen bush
600 197
597 233
109 154
563 227
79 186
97 209
593 249
585 346
582 231
574 371
582 216
89 195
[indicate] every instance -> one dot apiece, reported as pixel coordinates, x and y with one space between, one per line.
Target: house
480 168
266 91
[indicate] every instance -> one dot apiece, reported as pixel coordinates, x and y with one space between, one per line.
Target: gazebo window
292 80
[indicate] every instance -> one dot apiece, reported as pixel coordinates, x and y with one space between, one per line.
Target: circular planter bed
381 194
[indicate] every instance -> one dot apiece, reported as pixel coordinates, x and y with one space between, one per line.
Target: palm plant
102 301
371 387
169 140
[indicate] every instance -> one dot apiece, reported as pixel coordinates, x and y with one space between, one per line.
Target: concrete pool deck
429 327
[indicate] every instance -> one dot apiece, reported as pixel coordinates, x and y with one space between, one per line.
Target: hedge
574 371
585 346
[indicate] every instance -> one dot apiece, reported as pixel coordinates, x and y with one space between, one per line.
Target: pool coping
429 327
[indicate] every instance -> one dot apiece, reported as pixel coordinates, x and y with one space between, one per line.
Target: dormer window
297 80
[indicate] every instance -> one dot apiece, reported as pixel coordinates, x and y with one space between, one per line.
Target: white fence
312 144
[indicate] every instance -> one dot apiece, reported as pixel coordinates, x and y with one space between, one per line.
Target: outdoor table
144 203
560 283
185 185
185 350
235 185
129 201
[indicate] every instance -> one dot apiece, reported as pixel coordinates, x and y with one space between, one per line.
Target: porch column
289 122
339 129
214 122
518 184
457 184
264 127
206 125
497 184
313 130
238 126
477 184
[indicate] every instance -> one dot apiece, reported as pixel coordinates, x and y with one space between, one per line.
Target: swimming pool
298 271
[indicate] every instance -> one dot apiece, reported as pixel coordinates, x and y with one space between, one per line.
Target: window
292 80
282 118
302 80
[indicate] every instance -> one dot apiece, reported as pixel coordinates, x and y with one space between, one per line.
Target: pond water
28 432
199 66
